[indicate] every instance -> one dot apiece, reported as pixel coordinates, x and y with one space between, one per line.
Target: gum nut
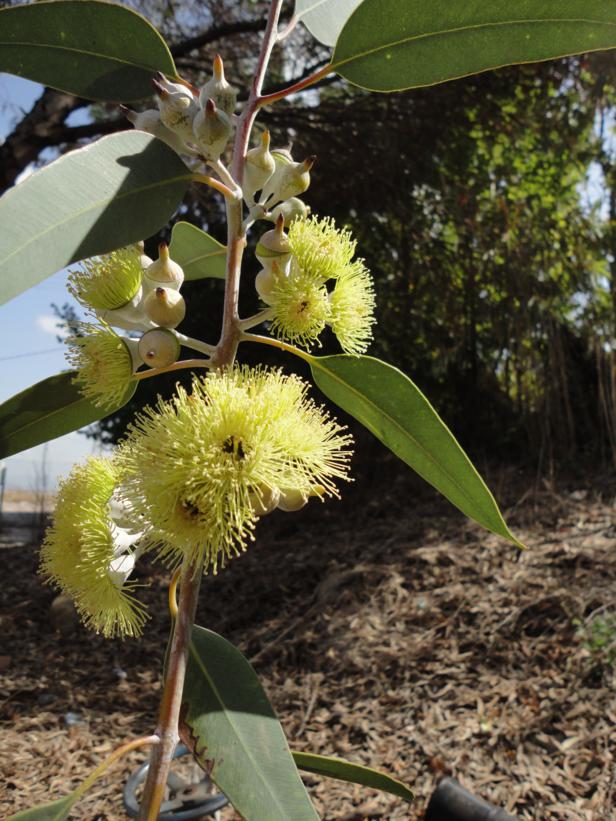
159 348
165 307
292 500
164 269
266 502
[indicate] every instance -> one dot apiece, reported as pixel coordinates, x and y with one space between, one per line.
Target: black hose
451 802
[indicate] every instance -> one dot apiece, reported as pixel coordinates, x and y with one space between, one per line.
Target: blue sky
29 351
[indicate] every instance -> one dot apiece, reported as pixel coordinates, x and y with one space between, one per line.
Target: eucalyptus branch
236 238
177 366
195 344
256 319
168 721
225 190
275 343
267 99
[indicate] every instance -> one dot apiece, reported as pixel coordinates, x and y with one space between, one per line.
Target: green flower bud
219 90
260 165
211 129
177 105
165 307
293 209
164 271
150 121
274 246
289 180
159 347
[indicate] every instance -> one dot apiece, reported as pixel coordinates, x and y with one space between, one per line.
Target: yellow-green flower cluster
202 467
107 282
300 302
104 364
81 556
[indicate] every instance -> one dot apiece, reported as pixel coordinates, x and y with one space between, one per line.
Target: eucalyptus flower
300 307
88 556
352 308
108 282
321 250
104 361
202 467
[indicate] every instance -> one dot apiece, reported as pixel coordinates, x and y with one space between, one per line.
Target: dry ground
386 629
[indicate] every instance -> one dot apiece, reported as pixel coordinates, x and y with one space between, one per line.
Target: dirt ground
386 629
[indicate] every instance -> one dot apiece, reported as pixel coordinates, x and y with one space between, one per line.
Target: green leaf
324 19
394 409
101 51
54 811
231 727
355 773
199 254
115 191
45 411
391 45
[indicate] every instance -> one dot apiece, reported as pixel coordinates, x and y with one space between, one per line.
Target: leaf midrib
411 38
58 47
75 214
228 715
415 441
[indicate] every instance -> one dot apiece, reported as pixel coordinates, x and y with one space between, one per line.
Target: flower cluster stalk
168 723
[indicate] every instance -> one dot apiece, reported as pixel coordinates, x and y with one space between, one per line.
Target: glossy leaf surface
230 725
355 773
45 411
115 191
390 45
199 254
96 50
325 19
394 409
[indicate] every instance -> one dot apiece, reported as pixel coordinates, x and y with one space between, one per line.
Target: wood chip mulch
386 629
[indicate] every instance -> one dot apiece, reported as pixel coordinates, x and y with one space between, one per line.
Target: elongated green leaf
394 409
45 411
324 19
199 254
390 45
116 191
54 811
97 50
355 773
230 725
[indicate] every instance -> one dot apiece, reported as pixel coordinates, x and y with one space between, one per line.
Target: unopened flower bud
219 90
260 165
274 246
159 347
211 129
151 122
177 105
293 209
265 501
164 271
289 180
165 307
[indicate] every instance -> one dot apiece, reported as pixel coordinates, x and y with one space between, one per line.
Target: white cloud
49 324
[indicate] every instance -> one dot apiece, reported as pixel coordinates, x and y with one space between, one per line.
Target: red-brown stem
168 718
299 86
236 239
224 356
